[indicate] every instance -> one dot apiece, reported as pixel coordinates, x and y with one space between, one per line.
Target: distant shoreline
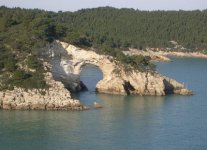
184 54
163 55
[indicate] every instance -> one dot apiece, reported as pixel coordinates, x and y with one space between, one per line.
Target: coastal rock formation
55 98
68 61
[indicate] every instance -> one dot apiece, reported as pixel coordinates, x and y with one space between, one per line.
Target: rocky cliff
68 61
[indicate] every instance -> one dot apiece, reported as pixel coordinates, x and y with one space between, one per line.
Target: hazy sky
73 5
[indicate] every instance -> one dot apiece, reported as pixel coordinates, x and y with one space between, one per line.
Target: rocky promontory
68 61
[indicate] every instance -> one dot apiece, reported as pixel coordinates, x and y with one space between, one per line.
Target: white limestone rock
115 79
55 98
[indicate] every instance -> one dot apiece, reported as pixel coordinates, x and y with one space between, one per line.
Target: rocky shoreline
160 55
54 98
184 54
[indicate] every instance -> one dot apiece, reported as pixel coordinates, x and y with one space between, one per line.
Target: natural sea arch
68 62
90 75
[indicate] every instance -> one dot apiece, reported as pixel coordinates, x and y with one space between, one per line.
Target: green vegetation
11 74
204 52
123 28
24 32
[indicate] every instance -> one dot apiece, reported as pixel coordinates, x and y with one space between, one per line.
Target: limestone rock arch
68 61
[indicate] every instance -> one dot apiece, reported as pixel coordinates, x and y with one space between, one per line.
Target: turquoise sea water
126 122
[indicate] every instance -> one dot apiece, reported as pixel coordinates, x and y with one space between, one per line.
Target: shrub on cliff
33 62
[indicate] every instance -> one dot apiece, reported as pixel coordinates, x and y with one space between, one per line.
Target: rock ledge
55 98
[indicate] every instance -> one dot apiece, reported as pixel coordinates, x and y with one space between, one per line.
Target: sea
172 122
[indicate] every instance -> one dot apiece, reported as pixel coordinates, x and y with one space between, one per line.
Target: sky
74 5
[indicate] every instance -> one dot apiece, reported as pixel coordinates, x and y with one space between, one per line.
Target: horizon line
136 9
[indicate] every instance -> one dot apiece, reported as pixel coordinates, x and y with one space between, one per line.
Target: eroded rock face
55 98
68 61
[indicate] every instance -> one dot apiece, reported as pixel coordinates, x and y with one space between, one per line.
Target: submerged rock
97 105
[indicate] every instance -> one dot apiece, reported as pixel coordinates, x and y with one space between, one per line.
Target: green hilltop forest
24 33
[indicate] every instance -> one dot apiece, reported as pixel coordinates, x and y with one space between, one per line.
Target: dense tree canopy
140 29
24 32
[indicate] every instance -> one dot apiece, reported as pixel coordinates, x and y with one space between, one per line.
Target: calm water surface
133 122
